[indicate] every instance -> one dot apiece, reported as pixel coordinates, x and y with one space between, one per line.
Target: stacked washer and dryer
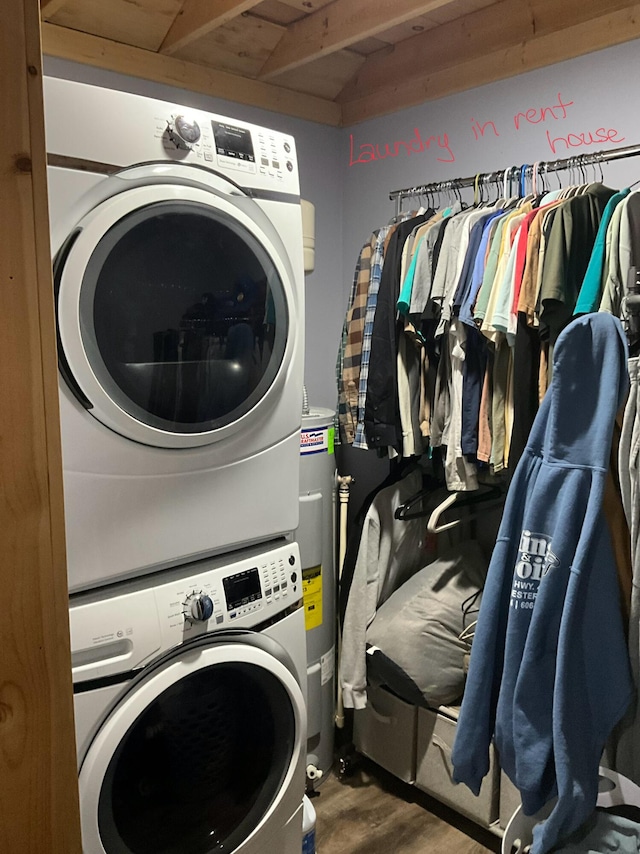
178 268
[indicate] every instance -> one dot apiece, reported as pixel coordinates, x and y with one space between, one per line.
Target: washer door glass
183 316
198 769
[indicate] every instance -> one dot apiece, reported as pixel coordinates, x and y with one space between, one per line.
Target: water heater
316 537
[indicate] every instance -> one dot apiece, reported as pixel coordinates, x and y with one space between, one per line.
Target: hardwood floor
371 812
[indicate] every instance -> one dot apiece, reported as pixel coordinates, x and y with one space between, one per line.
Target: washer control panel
242 594
126 626
275 579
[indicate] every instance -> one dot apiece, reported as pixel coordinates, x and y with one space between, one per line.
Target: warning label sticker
312 594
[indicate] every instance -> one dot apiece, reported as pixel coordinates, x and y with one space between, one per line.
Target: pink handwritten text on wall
562 143
369 152
481 129
535 115
579 140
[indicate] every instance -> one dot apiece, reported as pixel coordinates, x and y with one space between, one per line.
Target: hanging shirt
410 364
491 266
528 299
428 254
468 301
460 473
390 551
591 290
381 413
377 261
499 299
504 319
454 273
623 256
408 275
353 337
465 280
445 268
340 417
568 248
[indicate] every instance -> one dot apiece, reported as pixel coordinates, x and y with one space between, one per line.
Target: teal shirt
404 300
591 290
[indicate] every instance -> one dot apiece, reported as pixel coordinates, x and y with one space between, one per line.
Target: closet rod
543 166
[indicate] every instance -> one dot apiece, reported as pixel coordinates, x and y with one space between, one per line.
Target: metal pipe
343 492
595 158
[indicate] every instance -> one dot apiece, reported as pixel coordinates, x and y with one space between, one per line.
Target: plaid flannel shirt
377 260
353 344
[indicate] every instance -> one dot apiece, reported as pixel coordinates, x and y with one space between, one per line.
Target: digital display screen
242 588
232 141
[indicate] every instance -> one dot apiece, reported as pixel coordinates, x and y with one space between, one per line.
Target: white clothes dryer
189 695
178 268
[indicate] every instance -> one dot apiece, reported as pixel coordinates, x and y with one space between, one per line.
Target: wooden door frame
38 778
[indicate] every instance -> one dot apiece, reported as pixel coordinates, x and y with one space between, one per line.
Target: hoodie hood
581 414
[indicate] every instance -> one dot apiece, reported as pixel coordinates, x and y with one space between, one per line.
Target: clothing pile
453 316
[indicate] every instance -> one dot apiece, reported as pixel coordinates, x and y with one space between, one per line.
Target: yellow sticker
332 439
312 594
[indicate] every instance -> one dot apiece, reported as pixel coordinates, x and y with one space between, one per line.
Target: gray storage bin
436 732
386 732
509 799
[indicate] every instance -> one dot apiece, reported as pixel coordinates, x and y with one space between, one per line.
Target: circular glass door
194 767
181 316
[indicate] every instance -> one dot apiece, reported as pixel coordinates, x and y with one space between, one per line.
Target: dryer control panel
254 157
128 624
237 149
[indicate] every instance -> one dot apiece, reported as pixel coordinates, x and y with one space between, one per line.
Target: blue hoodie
549 675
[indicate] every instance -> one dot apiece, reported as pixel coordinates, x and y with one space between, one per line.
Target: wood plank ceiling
337 62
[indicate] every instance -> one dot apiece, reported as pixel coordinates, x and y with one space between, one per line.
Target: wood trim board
39 809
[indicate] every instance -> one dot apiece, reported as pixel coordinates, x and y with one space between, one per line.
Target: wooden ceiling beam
199 17
539 51
340 25
493 28
136 62
48 8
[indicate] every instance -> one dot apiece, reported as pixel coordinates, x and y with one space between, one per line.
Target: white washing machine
178 268
189 692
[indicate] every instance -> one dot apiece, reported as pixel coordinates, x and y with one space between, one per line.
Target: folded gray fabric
418 627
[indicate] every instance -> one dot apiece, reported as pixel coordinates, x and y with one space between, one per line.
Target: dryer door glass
201 766
183 317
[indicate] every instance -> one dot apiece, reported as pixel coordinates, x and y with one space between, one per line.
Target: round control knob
198 608
287 147
289 166
292 559
294 577
183 132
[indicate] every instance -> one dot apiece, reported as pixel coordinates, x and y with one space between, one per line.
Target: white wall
319 152
603 90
